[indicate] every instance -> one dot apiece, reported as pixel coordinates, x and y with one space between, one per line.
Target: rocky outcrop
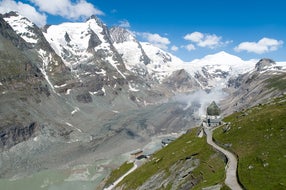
178 173
120 35
93 41
262 64
11 135
181 81
84 98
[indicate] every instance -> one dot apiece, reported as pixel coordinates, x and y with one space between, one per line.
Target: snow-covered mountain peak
131 50
88 44
225 62
74 41
96 19
162 64
22 26
220 58
215 70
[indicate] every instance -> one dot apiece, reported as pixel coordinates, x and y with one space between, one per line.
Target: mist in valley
200 99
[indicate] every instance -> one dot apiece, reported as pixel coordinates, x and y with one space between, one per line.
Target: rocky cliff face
19 78
42 54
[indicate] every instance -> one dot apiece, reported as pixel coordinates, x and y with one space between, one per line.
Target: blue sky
250 29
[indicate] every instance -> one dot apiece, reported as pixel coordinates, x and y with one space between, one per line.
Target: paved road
122 177
231 167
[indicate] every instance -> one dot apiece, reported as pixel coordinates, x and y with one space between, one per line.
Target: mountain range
71 92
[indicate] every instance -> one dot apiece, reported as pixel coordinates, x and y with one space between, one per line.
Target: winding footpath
231 167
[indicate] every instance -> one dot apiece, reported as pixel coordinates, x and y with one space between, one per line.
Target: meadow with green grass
258 137
117 173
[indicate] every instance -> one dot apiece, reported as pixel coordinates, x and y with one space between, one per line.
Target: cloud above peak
262 46
203 40
156 40
67 9
37 10
194 37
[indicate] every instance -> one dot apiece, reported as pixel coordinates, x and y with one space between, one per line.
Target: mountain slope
266 80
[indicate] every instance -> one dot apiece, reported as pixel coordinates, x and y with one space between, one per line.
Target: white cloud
194 37
262 46
210 41
156 40
174 48
25 10
67 9
190 47
124 24
204 40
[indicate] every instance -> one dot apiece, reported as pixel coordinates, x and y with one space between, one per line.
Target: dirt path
231 167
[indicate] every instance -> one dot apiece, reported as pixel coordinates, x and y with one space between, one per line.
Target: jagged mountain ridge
90 48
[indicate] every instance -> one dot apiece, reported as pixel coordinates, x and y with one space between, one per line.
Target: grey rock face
8 33
180 176
181 81
84 98
11 135
120 35
56 69
263 63
93 41
67 37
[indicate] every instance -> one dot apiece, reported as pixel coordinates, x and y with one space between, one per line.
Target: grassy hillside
125 167
258 136
208 172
